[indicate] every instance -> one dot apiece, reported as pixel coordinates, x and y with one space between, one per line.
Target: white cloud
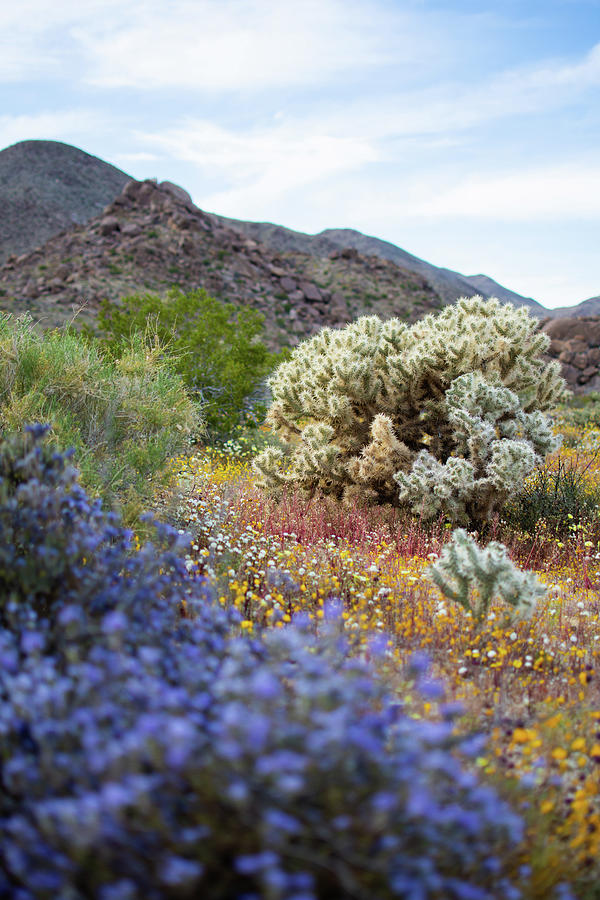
570 191
580 74
21 58
262 165
245 45
34 34
39 15
59 125
449 107
238 44
141 157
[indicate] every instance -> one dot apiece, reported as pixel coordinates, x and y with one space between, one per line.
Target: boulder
594 356
141 192
587 373
575 342
577 345
131 229
311 292
288 284
63 272
108 225
559 329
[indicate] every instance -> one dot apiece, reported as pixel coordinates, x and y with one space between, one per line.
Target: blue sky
467 133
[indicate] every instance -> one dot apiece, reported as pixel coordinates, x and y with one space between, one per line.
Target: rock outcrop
575 342
151 237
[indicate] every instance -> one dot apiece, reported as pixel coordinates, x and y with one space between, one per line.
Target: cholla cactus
445 416
473 576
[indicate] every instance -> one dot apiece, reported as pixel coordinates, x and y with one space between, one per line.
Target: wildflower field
531 686
300 678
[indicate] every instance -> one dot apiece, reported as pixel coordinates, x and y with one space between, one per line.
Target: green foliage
125 417
444 417
472 576
580 410
214 346
562 495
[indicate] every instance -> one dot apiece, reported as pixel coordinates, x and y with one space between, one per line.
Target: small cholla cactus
445 417
473 576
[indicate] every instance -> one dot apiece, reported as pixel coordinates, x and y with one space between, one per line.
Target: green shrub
215 347
563 495
444 417
125 417
580 410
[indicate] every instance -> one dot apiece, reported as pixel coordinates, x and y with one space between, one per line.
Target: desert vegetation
445 416
302 689
216 347
124 415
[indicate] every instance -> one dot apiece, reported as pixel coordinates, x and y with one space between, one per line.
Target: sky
467 132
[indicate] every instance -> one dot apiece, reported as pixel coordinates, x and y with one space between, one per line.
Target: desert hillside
448 285
46 187
152 237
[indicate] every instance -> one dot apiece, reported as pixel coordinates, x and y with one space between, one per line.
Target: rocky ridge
151 237
449 285
590 307
49 186
490 288
72 250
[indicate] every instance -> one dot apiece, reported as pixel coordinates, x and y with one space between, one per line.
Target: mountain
589 307
46 187
448 285
490 288
151 237
49 189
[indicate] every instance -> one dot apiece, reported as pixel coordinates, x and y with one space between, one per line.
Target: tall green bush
216 347
444 417
125 417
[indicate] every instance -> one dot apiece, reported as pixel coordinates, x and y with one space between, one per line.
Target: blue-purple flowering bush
145 754
58 548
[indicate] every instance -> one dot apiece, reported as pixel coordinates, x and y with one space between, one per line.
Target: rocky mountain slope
152 237
589 307
448 285
490 288
47 186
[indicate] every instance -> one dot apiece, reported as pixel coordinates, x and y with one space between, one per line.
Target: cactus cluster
444 417
474 576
